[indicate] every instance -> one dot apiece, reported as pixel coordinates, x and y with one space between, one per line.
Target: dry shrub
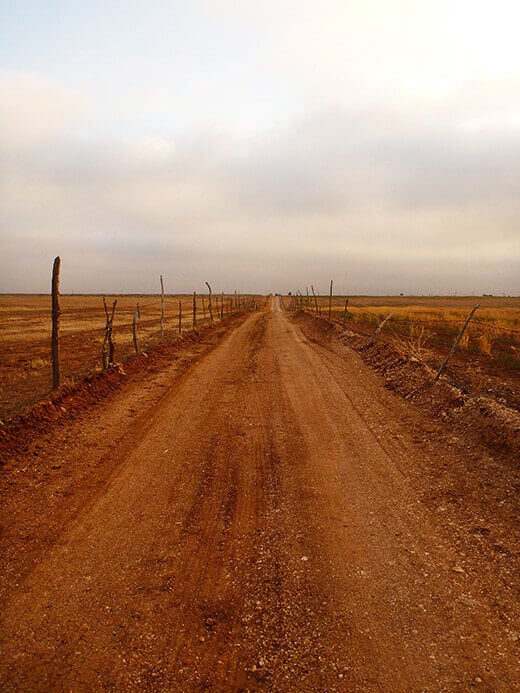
419 336
415 345
464 341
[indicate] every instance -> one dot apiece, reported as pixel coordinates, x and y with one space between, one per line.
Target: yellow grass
426 319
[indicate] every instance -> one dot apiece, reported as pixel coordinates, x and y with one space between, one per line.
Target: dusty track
265 528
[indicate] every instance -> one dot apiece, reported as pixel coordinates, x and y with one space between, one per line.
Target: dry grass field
25 329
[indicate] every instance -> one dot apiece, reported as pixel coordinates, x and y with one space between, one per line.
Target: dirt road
269 525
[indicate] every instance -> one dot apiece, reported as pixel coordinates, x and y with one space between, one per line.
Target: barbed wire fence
134 329
476 335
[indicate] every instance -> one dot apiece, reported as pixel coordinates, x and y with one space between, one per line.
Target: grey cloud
375 198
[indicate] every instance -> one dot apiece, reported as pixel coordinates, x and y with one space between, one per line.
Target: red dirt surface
258 514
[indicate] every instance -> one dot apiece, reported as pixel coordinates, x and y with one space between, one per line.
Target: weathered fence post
330 301
345 314
456 343
108 336
162 308
180 317
194 310
222 307
55 337
137 314
210 308
315 299
203 308
379 328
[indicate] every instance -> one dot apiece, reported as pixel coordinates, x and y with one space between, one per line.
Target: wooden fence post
456 343
210 308
180 317
108 336
315 299
162 308
194 310
345 314
222 307
379 328
330 301
137 314
55 337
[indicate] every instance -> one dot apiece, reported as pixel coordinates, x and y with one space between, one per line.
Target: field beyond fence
488 356
25 335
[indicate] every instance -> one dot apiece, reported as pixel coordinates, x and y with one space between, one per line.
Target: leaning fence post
379 328
55 337
330 301
137 314
456 343
210 307
315 299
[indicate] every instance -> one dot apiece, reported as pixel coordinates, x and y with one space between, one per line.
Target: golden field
25 329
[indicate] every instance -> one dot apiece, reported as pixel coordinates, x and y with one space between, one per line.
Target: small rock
458 569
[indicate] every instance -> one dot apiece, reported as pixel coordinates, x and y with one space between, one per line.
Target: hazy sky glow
261 146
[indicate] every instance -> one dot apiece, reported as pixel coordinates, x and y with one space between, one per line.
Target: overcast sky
262 146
